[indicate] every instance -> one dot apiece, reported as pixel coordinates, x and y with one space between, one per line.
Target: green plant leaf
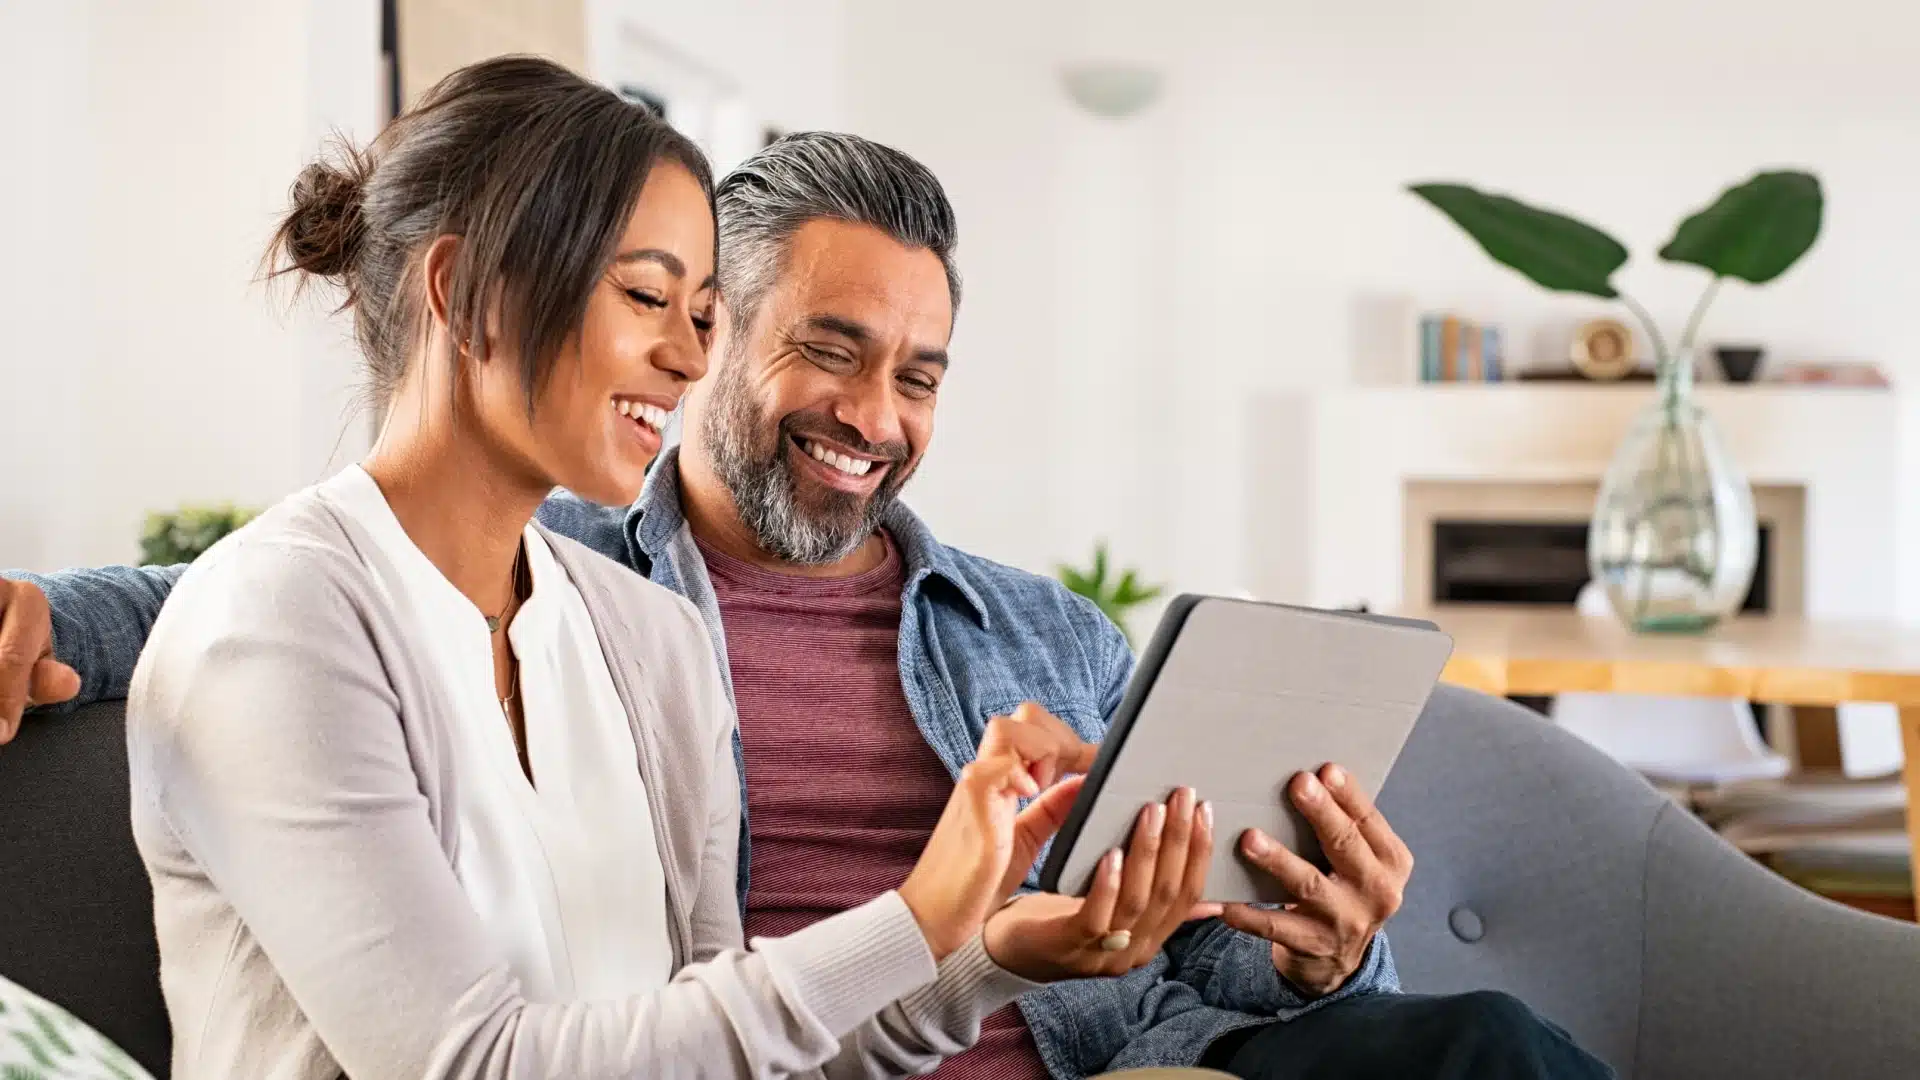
186 534
1552 250
1114 600
1755 230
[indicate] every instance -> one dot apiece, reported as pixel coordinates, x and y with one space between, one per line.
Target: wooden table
1775 659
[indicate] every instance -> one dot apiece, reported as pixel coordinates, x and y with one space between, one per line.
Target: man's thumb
52 682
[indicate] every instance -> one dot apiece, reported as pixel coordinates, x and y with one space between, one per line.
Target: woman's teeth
651 415
850 466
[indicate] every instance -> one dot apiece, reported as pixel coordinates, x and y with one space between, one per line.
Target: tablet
1232 698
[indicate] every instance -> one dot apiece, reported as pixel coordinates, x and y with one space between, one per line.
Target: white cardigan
296 801
564 870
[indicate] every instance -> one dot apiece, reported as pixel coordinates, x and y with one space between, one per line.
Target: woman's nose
682 353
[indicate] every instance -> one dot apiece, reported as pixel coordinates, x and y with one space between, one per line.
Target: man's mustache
804 425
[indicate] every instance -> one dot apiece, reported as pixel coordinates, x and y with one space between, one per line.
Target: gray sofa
1544 870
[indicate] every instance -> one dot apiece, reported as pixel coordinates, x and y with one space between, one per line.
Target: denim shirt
976 639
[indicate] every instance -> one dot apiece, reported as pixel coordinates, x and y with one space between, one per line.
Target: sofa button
1466 925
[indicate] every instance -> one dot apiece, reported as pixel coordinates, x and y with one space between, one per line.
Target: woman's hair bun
323 229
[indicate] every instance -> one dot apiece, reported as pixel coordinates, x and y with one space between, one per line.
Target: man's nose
869 408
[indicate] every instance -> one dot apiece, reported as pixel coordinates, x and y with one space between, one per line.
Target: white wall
762 63
1132 285
151 370
45 179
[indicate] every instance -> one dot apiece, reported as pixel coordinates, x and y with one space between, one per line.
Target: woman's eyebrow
665 259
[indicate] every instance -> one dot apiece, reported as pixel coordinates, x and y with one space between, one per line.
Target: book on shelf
1453 349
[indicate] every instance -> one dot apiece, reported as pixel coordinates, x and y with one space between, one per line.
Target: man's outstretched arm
93 622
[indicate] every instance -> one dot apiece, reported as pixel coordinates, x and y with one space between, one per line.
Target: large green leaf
1755 230
1553 250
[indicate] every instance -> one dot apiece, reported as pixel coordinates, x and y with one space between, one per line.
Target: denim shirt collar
657 517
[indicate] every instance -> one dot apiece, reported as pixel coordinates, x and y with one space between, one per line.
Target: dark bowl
1740 363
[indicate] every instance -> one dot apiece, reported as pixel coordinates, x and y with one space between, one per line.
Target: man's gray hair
812 175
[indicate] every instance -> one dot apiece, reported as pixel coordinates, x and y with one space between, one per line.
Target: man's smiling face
823 400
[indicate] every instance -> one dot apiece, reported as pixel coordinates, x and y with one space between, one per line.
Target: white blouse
565 870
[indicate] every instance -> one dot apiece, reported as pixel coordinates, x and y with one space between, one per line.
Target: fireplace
1489 542
1538 562
1496 542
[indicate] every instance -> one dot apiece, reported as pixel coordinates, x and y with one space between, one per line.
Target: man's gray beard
761 481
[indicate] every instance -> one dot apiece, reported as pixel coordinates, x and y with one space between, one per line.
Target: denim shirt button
1465 924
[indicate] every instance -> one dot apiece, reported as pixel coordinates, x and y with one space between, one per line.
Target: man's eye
823 356
646 299
918 386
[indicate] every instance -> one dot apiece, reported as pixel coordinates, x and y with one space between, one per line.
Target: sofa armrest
1746 974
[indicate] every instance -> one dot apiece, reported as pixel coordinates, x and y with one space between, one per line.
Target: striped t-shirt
842 789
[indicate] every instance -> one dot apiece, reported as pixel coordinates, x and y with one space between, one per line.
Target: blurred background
1191 260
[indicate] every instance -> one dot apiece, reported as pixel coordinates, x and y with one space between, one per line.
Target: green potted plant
1674 538
185 534
1116 597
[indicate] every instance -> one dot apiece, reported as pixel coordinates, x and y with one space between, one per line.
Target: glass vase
1674 538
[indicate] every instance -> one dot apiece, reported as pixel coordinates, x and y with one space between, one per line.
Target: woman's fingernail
1114 859
1206 814
1336 776
1156 818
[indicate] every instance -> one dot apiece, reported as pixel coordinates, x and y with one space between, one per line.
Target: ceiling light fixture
1113 90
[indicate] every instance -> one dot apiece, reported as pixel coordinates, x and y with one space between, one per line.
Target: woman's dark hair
535 168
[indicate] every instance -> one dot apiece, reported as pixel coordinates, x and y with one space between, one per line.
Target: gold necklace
513 691
494 622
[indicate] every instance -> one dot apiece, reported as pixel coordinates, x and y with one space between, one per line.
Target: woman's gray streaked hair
811 175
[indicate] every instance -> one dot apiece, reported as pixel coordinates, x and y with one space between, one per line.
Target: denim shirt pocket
1082 715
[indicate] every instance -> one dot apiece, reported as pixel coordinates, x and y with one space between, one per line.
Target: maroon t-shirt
842 789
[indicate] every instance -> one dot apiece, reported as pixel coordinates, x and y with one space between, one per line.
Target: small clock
1603 350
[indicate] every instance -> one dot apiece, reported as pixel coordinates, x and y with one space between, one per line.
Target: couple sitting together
438 773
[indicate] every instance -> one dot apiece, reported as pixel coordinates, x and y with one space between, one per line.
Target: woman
426 791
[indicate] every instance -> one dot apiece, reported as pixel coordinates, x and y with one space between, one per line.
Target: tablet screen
1233 698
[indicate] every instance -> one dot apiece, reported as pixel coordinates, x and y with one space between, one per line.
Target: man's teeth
653 416
848 465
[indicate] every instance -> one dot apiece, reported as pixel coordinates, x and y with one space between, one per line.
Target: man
864 657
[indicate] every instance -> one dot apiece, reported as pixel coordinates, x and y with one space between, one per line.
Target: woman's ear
436 268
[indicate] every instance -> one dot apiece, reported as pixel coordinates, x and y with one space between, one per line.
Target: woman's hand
984 843
1133 906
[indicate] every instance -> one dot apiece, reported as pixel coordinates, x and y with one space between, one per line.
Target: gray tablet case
1232 698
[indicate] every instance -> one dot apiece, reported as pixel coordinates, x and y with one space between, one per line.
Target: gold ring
1116 941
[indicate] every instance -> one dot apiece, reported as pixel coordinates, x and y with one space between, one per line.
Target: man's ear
723 328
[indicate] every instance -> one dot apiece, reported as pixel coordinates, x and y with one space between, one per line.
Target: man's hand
1320 939
29 675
